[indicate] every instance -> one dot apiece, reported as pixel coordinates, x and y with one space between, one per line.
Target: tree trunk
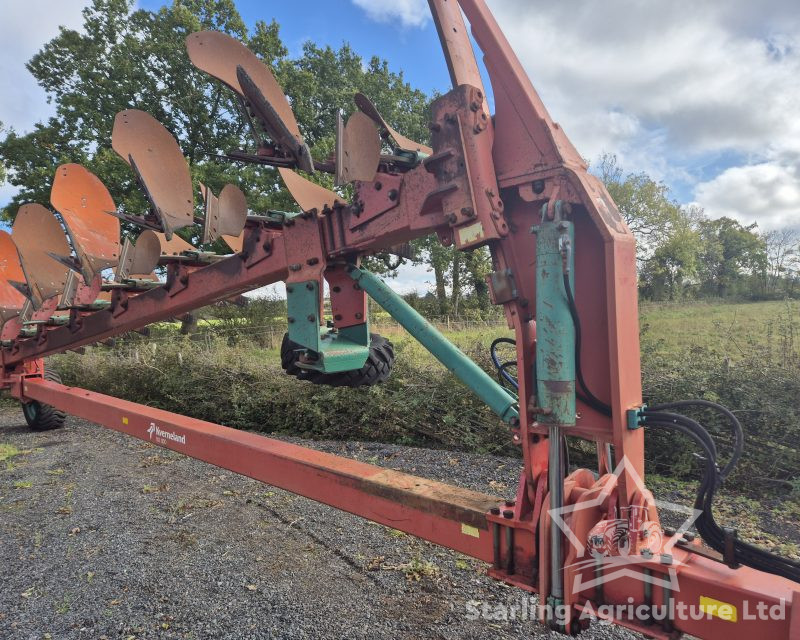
441 292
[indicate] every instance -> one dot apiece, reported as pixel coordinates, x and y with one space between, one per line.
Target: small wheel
377 368
43 417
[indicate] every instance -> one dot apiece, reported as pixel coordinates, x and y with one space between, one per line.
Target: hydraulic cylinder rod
481 383
555 365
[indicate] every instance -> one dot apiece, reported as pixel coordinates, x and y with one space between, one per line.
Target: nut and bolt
291 320
495 511
393 194
295 267
310 286
666 558
312 261
508 514
359 315
337 317
311 318
336 289
289 289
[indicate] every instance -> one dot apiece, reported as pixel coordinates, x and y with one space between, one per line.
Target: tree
733 258
137 59
783 260
645 204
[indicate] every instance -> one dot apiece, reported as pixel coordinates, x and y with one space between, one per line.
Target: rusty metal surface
175 246
143 256
366 106
83 202
448 515
456 44
309 195
37 233
11 300
144 143
224 215
360 149
235 243
218 54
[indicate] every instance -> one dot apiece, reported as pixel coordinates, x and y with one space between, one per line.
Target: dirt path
102 535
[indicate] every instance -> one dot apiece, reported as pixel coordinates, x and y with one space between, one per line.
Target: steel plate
83 202
144 143
37 233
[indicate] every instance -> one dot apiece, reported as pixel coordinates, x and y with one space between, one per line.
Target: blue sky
704 96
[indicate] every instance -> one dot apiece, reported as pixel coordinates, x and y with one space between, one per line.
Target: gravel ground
105 536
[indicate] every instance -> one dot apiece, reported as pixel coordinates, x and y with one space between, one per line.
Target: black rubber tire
43 417
376 369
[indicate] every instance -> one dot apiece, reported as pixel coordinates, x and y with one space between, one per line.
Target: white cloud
767 193
700 76
25 27
410 13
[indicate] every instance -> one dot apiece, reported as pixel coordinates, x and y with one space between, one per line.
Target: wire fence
761 386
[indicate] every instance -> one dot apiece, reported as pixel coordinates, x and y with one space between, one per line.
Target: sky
702 95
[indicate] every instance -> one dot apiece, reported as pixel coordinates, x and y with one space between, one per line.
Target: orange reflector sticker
124 420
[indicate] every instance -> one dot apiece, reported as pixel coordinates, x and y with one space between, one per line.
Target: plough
563 269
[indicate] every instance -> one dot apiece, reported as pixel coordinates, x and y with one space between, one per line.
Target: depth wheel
43 417
376 369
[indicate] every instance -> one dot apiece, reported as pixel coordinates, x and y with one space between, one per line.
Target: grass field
731 329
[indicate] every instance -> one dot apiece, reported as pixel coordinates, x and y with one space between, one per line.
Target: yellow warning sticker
124 420
471 233
468 530
718 609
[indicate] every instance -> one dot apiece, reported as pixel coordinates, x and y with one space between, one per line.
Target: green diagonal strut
482 384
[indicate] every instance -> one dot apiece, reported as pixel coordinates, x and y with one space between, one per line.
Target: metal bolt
435 127
359 315
495 511
337 317
295 267
474 106
510 503
508 514
669 531
538 186
337 289
291 320
289 289
393 194
312 261
378 186
689 536
452 218
311 318
468 211
666 558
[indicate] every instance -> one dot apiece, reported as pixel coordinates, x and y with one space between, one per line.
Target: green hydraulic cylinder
484 386
555 330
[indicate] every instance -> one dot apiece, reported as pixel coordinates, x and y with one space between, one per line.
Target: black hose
738 431
716 537
503 375
587 397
